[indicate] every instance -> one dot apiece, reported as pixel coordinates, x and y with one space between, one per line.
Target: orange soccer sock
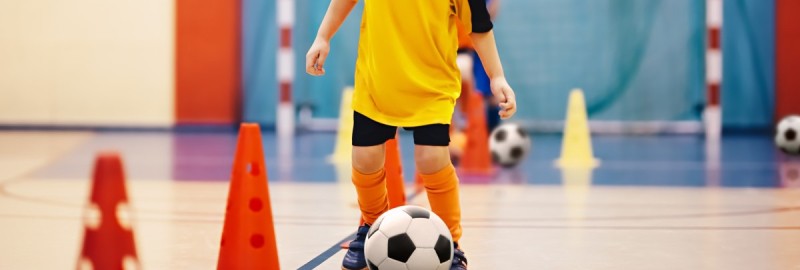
442 190
372 197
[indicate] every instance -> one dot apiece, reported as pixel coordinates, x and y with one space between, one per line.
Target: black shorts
368 132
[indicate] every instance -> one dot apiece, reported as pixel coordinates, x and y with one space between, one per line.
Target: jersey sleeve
474 16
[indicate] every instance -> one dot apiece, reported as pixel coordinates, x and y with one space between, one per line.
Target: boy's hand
315 58
503 93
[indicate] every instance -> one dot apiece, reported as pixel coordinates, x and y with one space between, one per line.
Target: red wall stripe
713 38
208 65
713 94
286 37
787 58
286 92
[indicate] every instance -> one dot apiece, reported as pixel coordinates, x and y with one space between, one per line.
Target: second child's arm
484 44
334 17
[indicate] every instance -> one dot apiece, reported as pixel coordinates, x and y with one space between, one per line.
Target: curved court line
642 217
25 176
597 218
482 226
22 177
771 210
603 218
648 228
177 219
5 193
309 221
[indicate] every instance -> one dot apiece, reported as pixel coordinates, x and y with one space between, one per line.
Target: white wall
87 62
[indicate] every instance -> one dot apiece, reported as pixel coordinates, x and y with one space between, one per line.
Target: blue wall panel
260 42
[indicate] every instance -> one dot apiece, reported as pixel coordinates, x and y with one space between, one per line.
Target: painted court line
328 253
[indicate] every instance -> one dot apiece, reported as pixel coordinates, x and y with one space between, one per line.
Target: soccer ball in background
509 144
409 237
787 137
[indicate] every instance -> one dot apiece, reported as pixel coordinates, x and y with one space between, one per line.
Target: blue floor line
328 253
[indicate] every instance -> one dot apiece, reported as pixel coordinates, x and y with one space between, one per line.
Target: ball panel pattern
423 233
500 135
394 223
444 249
423 258
513 147
416 211
400 247
409 237
376 248
390 264
375 227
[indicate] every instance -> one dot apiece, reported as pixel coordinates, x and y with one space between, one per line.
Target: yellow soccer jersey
406 73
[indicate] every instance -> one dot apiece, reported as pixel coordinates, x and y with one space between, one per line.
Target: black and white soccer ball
787 137
409 237
509 144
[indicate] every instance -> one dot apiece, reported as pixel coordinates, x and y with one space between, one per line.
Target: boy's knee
368 159
431 159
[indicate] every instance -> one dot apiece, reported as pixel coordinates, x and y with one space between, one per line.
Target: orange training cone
248 236
394 174
419 184
108 241
476 158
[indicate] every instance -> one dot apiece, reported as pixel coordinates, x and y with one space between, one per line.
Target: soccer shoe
459 261
354 259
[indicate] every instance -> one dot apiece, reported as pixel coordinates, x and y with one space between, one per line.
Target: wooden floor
570 220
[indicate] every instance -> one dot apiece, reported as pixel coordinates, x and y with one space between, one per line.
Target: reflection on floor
662 202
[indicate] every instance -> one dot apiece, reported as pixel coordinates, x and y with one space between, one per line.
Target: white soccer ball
509 144
409 238
787 137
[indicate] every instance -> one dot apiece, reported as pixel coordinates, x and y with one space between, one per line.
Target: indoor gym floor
656 202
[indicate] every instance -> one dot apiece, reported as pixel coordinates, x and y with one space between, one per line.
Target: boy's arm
334 17
493 8
484 44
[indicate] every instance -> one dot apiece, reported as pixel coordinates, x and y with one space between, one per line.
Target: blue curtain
324 93
748 47
635 59
259 45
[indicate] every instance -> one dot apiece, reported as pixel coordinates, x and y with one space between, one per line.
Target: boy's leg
368 156
438 174
441 183
369 177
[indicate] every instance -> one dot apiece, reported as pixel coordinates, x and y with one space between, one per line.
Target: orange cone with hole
108 241
419 184
394 174
476 158
248 235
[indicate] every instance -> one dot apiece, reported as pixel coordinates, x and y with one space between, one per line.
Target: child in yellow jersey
406 76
